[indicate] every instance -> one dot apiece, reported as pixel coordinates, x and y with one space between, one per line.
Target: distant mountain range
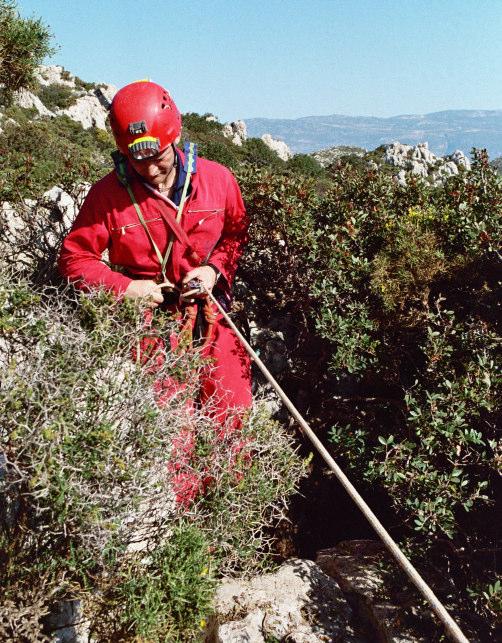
444 131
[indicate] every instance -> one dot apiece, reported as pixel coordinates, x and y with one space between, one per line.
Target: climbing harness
451 626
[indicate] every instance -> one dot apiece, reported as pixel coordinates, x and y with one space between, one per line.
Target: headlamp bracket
138 127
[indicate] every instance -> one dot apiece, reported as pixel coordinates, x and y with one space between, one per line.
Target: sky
287 58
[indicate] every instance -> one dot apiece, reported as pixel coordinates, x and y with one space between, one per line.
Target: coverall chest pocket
130 240
204 228
129 228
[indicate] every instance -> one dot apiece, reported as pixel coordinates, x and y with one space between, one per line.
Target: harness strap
189 167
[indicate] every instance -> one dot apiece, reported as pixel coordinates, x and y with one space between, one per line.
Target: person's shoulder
108 181
105 187
213 169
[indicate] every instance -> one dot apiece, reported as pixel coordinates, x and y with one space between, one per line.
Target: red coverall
215 221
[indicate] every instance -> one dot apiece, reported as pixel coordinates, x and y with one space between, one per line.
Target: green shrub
392 296
24 43
82 84
407 264
198 124
304 164
169 597
53 96
219 152
255 151
41 154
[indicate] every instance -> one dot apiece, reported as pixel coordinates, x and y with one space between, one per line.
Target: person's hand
145 289
207 277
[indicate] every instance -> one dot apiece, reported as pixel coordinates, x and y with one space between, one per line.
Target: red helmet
144 119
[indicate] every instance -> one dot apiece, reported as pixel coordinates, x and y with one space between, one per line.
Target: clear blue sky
288 58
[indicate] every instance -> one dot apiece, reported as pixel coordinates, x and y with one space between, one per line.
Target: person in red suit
175 225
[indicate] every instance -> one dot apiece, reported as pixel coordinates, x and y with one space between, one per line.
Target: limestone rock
297 603
279 147
108 90
236 131
54 75
62 201
271 348
420 161
27 100
397 154
67 623
88 111
330 155
460 159
11 219
418 169
400 178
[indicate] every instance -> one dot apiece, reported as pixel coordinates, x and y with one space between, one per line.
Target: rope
451 627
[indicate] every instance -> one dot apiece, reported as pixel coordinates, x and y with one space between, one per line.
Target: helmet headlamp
146 147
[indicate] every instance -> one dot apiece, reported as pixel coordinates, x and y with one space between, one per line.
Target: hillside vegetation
390 297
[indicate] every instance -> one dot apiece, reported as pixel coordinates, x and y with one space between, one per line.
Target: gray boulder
297 603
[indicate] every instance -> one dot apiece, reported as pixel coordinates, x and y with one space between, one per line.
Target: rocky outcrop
332 154
298 603
279 147
236 131
28 100
54 75
67 206
32 230
270 345
88 111
418 160
86 108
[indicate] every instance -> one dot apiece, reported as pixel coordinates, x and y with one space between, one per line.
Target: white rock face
236 131
418 169
11 219
397 154
54 75
60 199
108 90
87 111
400 178
24 98
420 161
14 226
460 159
297 603
279 147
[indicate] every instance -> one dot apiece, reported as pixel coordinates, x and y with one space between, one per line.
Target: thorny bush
85 482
